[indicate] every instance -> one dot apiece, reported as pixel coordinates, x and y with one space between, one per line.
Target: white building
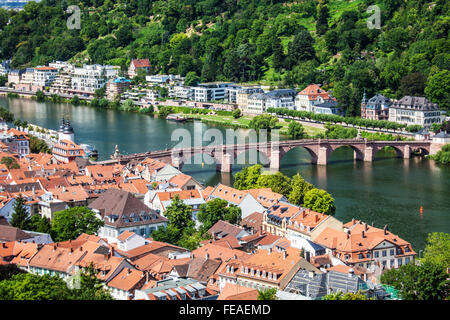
44 76
92 77
258 103
411 110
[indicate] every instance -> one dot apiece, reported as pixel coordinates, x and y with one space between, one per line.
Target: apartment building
412 110
91 77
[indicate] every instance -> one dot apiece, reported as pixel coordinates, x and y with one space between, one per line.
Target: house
43 77
258 103
155 170
161 200
412 110
240 198
184 182
222 229
242 97
115 87
233 291
9 233
14 76
66 151
121 211
174 289
263 269
89 78
18 143
315 99
138 64
441 137
125 283
376 108
253 222
364 246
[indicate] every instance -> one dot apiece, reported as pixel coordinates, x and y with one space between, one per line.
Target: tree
191 79
296 130
236 113
70 223
413 84
278 182
10 162
437 249
438 89
299 188
28 286
91 288
278 54
215 210
8 270
322 18
164 111
20 217
320 201
179 214
38 145
346 296
39 224
427 281
40 96
6 115
267 294
301 48
263 121
247 178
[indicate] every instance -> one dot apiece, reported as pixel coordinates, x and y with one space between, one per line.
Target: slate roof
415 103
8 233
127 210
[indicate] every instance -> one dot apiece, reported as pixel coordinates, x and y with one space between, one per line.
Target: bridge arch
251 157
311 151
358 151
399 150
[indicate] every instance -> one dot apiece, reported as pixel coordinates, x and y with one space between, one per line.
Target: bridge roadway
319 149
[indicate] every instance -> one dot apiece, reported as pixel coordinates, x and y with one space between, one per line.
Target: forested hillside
278 43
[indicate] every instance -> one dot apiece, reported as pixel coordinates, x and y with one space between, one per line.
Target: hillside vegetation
277 43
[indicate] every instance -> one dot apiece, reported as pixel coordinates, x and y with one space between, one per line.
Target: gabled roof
9 233
141 63
223 228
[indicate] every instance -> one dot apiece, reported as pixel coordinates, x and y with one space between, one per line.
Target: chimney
269 250
363 234
385 229
284 254
128 271
366 227
308 256
317 218
3 245
206 256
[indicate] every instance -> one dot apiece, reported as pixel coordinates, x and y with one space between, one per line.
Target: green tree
247 178
20 217
191 79
40 96
70 223
320 201
179 214
299 188
29 286
346 296
8 270
38 145
10 163
236 113
438 89
427 281
267 294
215 210
296 130
264 121
39 224
437 249
278 54
322 18
278 182
164 111
91 288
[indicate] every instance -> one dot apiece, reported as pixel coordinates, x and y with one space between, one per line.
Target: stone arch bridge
319 149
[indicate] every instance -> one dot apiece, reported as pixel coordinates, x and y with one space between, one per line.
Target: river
388 191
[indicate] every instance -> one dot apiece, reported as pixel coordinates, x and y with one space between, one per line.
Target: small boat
176 117
90 151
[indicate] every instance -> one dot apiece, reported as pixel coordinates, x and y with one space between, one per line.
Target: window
407 260
376 253
399 262
384 253
392 263
392 252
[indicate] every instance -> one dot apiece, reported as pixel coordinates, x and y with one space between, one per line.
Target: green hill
277 43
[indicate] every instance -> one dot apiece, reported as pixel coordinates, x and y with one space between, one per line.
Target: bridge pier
275 159
406 152
226 164
368 154
322 158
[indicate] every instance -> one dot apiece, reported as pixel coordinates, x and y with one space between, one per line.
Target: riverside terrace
319 149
